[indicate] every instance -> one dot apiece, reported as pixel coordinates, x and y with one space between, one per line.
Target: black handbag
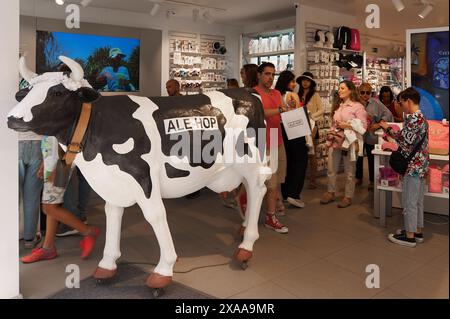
399 163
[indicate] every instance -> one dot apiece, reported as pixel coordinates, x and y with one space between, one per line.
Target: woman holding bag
349 120
296 149
310 98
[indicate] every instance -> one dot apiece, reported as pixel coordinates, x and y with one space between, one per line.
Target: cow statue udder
126 156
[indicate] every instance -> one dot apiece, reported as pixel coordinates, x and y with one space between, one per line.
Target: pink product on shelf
438 138
435 179
389 176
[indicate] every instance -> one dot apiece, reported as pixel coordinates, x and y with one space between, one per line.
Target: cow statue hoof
103 275
243 256
157 282
158 292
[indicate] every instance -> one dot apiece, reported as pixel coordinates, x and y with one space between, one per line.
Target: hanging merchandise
355 43
343 38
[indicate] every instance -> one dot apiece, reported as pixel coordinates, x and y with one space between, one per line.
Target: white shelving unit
194 63
385 72
281 53
383 194
322 63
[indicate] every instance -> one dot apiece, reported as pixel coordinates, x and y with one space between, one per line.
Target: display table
383 194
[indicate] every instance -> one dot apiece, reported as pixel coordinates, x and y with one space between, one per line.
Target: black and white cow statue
127 154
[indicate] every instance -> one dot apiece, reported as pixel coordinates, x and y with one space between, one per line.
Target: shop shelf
257 55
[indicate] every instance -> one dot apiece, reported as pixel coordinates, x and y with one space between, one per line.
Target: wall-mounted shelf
275 53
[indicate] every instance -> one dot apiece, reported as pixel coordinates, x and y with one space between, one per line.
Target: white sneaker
296 202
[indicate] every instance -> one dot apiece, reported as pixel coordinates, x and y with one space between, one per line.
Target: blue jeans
78 205
412 200
30 186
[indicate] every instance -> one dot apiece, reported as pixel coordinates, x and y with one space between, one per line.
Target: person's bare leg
272 196
60 214
50 232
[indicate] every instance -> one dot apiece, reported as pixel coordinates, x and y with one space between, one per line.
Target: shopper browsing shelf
173 88
249 75
387 98
345 141
412 138
273 107
313 102
376 112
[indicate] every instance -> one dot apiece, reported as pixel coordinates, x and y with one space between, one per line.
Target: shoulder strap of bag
416 148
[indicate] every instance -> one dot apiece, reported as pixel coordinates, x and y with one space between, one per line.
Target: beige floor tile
357 257
273 256
428 282
389 294
441 262
222 281
316 239
267 290
324 280
422 253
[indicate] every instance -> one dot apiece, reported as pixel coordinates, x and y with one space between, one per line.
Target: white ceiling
245 12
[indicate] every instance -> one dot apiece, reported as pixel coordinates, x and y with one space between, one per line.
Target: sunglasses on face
365 92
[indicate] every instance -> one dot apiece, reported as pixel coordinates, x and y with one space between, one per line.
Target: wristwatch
280 109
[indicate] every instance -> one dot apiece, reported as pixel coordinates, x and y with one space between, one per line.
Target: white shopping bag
296 123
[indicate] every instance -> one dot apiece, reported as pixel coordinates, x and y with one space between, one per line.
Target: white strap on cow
75 145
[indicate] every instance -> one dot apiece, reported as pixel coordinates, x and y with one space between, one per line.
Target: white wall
9 213
47 9
274 25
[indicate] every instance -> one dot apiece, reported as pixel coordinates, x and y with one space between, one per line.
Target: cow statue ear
87 95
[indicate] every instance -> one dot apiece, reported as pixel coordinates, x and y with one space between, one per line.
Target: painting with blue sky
109 63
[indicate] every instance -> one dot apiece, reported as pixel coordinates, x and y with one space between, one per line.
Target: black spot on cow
200 141
250 106
173 172
112 122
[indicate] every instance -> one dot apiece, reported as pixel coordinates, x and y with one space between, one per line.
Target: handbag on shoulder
399 163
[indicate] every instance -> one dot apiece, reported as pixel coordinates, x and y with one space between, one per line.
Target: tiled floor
324 255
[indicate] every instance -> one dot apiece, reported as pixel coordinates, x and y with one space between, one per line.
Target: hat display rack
323 61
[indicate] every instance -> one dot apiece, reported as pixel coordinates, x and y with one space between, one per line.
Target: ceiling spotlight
155 9
59 2
207 17
429 6
195 14
85 3
399 5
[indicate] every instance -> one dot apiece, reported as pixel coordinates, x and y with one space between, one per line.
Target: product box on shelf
387 177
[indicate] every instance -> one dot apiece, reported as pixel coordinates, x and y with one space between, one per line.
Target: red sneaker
39 254
272 222
88 242
242 203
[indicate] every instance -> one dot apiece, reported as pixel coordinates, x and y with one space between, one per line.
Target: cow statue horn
24 71
77 71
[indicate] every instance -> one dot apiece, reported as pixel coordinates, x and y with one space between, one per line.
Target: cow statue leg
255 194
155 213
107 267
